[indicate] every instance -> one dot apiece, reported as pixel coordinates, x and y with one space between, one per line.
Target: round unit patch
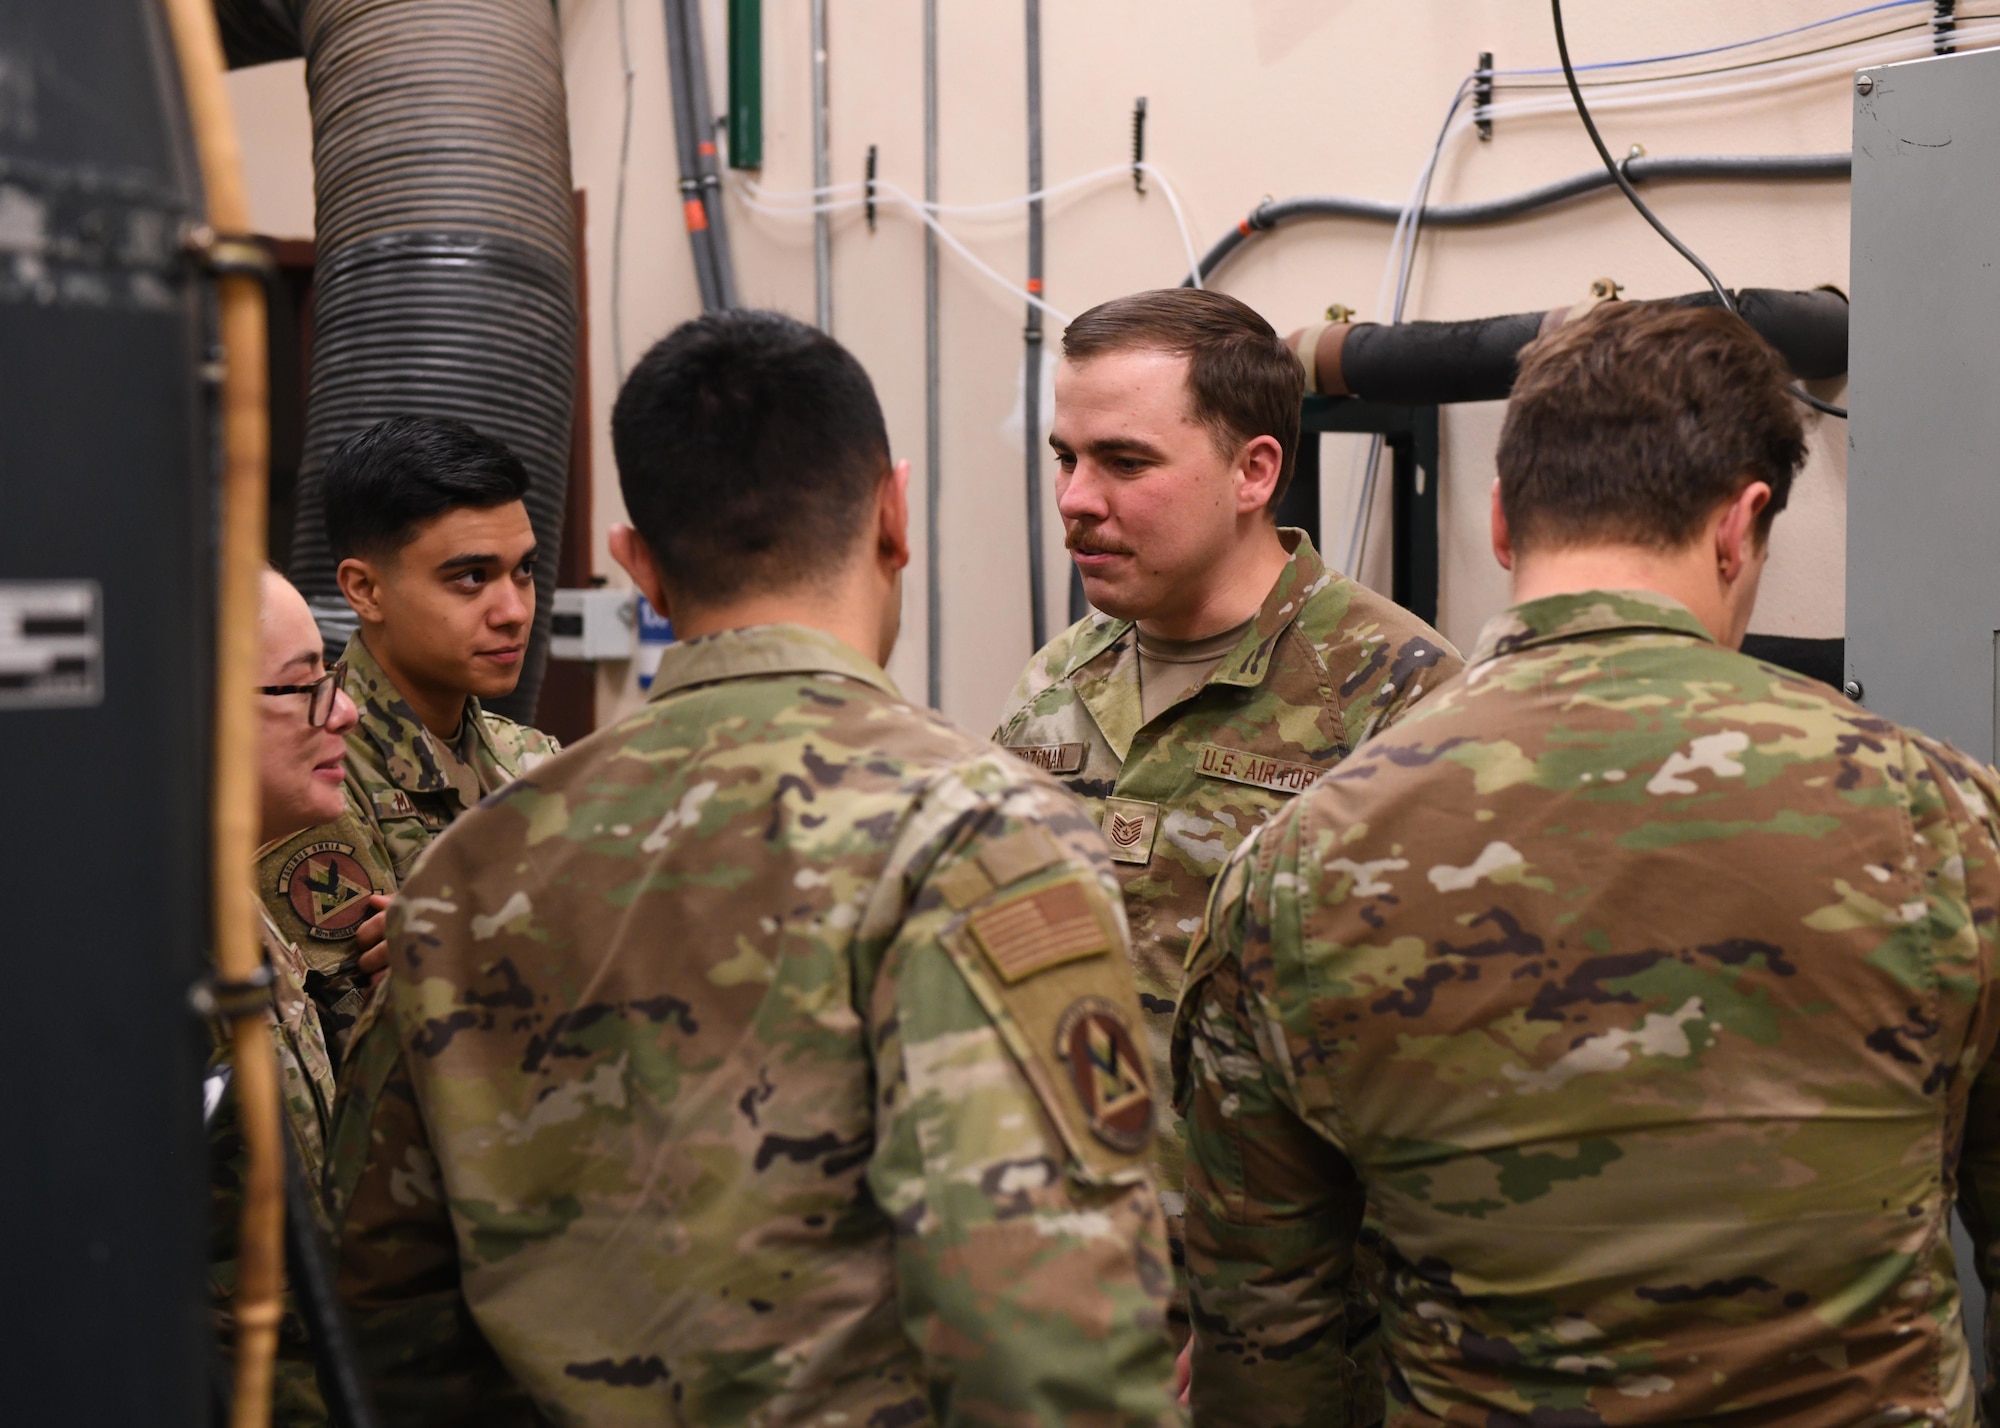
328 888
1110 1077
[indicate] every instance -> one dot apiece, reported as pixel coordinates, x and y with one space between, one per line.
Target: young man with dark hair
437 559
1645 989
771 1057
1227 667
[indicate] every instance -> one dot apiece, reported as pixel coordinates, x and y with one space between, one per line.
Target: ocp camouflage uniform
404 787
768 1058
1647 990
305 1086
1325 663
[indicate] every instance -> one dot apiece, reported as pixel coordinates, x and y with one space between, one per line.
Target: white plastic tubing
847 197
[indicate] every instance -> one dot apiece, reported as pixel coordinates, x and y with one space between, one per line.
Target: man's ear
635 558
1503 539
892 517
1261 463
361 585
1736 530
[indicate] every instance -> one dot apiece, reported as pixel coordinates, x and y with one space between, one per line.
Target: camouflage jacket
770 1057
1648 991
305 1082
403 788
1325 663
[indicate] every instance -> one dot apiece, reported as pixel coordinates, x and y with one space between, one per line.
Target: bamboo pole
238 954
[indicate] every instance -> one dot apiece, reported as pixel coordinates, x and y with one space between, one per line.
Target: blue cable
1733 45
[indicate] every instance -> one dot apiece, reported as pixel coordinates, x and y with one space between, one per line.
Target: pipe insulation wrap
446 276
1426 363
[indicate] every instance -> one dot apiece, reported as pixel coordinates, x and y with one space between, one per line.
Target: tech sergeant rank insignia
1096 1045
328 888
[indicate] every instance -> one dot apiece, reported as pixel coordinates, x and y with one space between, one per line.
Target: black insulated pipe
1430 363
1275 213
446 270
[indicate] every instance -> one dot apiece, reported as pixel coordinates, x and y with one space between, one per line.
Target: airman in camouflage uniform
1180 765
1645 989
1324 664
404 787
772 1056
305 1084
809 1017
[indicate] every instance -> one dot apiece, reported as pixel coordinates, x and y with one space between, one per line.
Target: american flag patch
1030 932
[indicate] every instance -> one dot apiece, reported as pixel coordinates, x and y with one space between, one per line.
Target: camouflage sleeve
1273 1209
1961 837
1013 1117
396 1253
1413 670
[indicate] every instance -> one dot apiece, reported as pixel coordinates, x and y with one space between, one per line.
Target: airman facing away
1647 990
771 1056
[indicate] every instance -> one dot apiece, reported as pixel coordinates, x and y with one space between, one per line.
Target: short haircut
1243 380
750 451
383 482
1630 426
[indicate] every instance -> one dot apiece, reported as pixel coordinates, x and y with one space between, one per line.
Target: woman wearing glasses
300 767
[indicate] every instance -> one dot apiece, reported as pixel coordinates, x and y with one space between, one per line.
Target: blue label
654 628
656 632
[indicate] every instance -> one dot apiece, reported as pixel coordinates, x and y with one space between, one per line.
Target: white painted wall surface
1247 98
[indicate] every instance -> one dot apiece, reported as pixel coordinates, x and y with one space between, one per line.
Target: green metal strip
746 84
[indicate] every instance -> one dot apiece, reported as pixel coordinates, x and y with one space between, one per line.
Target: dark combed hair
750 451
1630 426
382 483
1243 381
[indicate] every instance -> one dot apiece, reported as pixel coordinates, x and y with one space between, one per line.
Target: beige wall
1247 98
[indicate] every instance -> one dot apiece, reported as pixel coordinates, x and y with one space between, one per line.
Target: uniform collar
1554 619
760 650
399 736
1304 576
1105 658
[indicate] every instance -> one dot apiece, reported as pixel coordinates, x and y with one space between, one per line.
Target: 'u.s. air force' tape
1240 766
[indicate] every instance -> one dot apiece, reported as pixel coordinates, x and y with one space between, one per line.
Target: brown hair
1633 424
1243 381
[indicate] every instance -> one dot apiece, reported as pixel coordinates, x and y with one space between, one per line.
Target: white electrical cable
828 198
618 219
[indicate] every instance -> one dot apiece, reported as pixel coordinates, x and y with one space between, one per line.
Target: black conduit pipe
1274 213
1426 363
446 273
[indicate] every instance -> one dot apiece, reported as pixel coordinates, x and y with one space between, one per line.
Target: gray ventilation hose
446 277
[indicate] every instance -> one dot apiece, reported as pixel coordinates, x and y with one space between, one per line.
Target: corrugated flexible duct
446 277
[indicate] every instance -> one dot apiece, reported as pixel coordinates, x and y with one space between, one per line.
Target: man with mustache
1225 667
437 559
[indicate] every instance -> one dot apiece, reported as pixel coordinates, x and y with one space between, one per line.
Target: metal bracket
869 190
1482 96
1944 26
1139 144
230 254
212 997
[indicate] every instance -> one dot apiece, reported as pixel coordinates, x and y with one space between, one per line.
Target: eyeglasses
319 707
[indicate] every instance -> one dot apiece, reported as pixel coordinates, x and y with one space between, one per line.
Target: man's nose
513 605
1079 496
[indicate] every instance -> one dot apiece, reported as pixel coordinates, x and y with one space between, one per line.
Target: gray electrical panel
1923 440
1923 484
